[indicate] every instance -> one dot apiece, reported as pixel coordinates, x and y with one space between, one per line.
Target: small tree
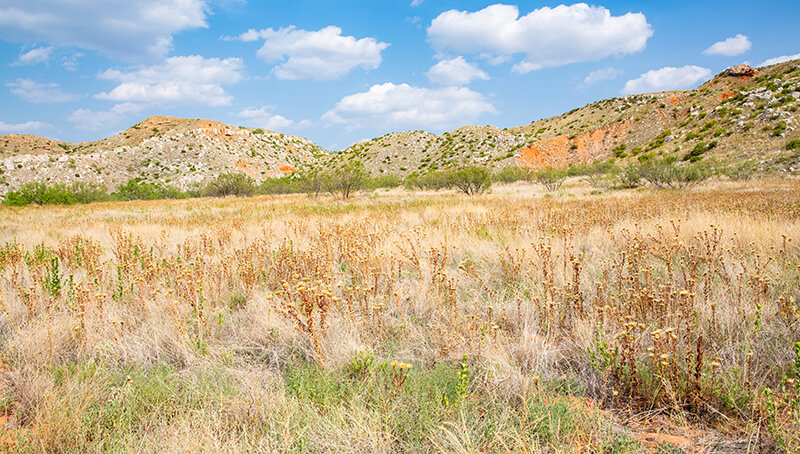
628 177
513 173
346 179
601 174
551 178
312 181
666 173
742 171
233 183
471 180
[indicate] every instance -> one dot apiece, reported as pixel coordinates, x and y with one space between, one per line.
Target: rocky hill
176 151
742 114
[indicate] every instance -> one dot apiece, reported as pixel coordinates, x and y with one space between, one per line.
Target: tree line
343 181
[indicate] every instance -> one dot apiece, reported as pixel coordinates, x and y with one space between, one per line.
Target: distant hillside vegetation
743 115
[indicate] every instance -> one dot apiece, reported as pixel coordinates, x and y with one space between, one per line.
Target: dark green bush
39 193
139 190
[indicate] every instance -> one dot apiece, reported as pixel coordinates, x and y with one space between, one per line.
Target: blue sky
338 72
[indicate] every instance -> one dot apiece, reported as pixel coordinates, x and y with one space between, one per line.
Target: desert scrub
571 313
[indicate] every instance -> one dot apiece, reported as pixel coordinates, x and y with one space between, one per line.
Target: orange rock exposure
213 130
249 168
287 169
561 151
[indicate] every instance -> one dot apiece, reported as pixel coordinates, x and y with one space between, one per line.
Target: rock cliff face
740 71
585 148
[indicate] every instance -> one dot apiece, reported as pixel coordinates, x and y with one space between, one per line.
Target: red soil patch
562 151
653 441
727 95
674 100
247 168
213 130
9 436
287 169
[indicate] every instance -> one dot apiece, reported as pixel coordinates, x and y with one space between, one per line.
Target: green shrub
601 174
697 153
793 144
138 190
551 178
666 173
513 173
470 180
628 177
345 180
291 184
429 181
312 181
39 193
383 181
234 183
779 129
741 171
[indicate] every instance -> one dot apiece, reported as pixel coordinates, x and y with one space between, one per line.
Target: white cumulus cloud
735 45
404 106
456 71
667 78
34 56
546 36
133 30
781 59
263 118
188 79
601 75
90 120
40 93
28 126
323 55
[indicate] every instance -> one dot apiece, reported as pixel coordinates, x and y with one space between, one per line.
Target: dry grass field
515 321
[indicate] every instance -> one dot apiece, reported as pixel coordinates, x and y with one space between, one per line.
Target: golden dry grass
674 303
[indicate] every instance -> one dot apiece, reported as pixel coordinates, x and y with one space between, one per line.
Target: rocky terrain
741 115
175 151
